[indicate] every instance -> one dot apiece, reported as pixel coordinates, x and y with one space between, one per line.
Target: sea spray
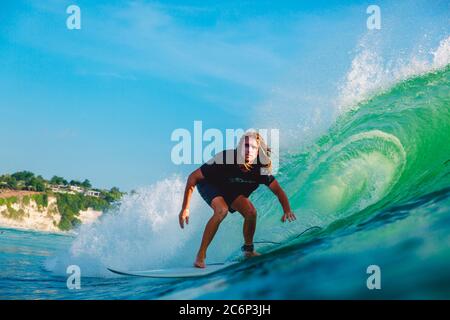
370 74
142 233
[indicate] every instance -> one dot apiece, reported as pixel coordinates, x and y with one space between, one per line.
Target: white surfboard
182 272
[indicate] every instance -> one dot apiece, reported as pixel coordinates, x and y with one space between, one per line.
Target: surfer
225 182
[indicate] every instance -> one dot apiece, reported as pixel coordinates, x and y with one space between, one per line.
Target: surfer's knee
245 208
220 208
221 212
250 213
248 210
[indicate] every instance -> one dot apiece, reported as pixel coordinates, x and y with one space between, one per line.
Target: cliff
37 212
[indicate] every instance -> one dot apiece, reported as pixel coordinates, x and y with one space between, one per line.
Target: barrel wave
391 148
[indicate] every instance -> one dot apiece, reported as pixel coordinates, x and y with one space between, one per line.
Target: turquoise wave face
389 149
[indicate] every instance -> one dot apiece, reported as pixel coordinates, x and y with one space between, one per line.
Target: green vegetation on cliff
70 205
26 180
72 197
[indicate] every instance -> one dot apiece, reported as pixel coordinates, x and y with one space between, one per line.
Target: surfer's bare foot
199 262
250 254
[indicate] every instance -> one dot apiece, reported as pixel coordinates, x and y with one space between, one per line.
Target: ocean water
377 183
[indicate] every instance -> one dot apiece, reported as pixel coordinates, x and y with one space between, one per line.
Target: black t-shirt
224 172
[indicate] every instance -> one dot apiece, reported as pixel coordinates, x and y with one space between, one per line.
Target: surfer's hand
184 215
290 216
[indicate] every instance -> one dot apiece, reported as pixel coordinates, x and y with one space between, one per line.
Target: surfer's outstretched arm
284 201
192 181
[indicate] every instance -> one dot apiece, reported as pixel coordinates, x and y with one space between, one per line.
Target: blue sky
101 102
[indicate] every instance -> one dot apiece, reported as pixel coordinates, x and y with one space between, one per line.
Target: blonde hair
264 151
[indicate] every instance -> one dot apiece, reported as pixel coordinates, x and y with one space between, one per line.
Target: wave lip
370 74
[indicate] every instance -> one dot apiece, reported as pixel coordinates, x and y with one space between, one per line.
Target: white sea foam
143 233
370 73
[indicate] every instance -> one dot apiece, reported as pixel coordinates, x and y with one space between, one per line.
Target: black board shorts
209 191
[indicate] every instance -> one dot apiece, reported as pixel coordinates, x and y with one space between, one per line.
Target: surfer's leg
220 212
248 211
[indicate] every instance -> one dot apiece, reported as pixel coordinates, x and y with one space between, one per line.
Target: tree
55 180
86 184
36 183
115 193
39 184
112 195
75 183
23 176
11 183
